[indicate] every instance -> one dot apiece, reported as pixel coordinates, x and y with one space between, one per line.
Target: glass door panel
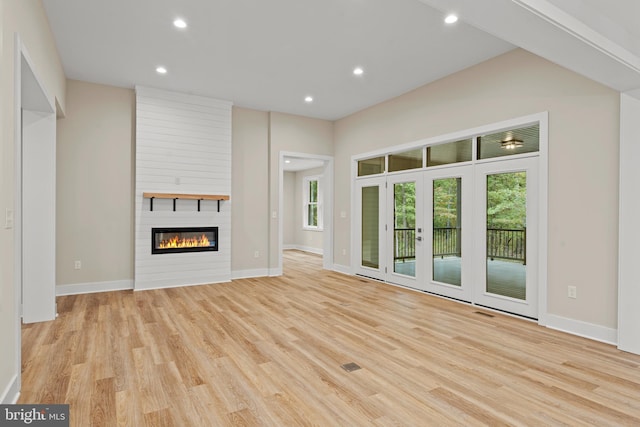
404 228
370 226
506 230
447 231
370 248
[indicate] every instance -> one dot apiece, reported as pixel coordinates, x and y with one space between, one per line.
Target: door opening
464 224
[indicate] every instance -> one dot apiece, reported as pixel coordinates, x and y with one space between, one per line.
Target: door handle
419 238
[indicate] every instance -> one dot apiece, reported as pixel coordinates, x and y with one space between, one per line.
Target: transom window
508 142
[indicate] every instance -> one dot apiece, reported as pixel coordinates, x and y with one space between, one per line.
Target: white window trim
305 201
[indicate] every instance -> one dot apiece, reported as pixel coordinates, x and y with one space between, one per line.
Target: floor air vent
350 367
482 313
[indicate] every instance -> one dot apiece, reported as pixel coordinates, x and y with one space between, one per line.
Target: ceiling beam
540 27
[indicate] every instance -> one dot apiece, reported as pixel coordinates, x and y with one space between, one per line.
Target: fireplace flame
177 242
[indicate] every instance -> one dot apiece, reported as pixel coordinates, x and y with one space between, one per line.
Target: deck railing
501 243
404 244
507 244
446 241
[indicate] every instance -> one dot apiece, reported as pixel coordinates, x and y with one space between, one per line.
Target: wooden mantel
176 196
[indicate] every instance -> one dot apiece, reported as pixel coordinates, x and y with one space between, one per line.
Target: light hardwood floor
269 352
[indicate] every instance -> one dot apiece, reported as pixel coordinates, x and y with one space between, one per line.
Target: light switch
8 218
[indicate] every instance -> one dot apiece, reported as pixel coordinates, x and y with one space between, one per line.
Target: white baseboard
582 329
173 285
93 287
344 269
275 272
247 274
11 392
317 251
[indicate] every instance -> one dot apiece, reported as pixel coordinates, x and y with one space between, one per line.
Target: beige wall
249 190
99 137
27 18
94 206
583 162
293 134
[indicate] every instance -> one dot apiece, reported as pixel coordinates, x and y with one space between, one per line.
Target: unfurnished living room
328 213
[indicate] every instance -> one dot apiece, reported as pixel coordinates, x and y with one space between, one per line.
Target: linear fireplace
183 239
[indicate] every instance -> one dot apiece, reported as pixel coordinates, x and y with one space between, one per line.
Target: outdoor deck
504 277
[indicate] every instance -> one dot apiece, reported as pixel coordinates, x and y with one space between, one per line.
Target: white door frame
464 292
30 95
379 273
327 207
543 179
529 306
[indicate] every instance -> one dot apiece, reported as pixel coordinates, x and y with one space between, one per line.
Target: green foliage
312 205
445 202
405 205
507 200
313 191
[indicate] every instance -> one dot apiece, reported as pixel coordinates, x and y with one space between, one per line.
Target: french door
449 201
466 232
370 233
506 224
405 229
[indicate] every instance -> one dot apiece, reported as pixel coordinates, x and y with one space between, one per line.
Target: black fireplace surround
183 239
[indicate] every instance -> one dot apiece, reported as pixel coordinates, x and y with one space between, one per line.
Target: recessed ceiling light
161 70
358 71
308 99
287 161
451 19
180 23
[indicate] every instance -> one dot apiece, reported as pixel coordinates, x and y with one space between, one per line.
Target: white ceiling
295 164
267 54
270 54
597 39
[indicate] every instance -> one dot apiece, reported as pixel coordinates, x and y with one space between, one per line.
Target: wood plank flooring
269 352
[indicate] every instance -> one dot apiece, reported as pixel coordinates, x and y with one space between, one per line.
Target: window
371 166
312 214
406 160
510 142
448 153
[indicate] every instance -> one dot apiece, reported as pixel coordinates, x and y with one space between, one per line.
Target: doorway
306 205
463 222
35 151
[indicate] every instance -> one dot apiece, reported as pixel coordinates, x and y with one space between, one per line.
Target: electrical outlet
572 292
256 254
344 251
77 265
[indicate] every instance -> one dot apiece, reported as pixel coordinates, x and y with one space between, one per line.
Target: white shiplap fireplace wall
183 145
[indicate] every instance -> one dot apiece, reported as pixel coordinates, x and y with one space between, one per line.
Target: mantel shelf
184 196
